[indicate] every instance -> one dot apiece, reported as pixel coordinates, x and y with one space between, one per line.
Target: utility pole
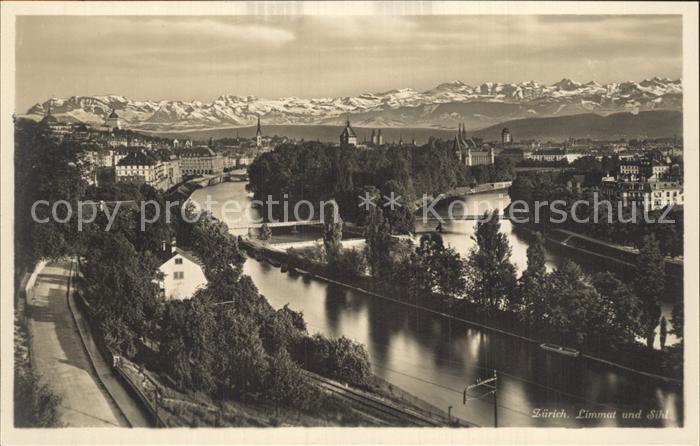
492 384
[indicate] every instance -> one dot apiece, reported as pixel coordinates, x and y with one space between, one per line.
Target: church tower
258 135
113 120
506 137
348 137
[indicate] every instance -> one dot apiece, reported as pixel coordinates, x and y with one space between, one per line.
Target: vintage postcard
353 222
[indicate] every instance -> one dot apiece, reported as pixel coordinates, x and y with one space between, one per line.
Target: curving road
59 355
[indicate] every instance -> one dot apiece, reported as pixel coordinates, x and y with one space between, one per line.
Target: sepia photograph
364 217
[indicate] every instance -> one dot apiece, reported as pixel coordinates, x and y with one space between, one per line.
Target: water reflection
435 358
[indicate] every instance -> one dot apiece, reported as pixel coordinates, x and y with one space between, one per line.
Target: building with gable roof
468 151
348 137
140 167
183 275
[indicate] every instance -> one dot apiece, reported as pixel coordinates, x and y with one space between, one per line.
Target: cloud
271 56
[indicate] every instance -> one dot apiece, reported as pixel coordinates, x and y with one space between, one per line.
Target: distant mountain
650 124
441 107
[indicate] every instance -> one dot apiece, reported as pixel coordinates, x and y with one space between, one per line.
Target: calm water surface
435 358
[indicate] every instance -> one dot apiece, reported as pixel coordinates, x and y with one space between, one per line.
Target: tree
121 286
338 358
619 321
531 286
572 303
650 285
332 235
280 328
187 347
44 170
242 364
217 248
439 268
353 262
490 274
449 272
677 316
400 217
285 381
265 232
663 332
378 243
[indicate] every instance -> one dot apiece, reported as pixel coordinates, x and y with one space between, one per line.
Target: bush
280 328
353 262
350 361
340 358
265 232
35 404
285 381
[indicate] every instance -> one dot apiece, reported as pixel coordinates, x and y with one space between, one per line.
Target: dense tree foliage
490 273
602 221
332 235
529 301
35 405
436 268
226 340
318 172
44 170
650 283
338 358
378 244
120 285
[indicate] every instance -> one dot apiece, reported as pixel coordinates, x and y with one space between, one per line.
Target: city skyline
304 56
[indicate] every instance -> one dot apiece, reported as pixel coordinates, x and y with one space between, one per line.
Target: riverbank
335 404
633 359
600 249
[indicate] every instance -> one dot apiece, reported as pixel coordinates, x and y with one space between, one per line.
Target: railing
150 404
117 362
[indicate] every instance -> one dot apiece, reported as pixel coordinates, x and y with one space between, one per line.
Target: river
434 357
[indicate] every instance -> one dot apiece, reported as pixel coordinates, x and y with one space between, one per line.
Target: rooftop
189 255
137 158
196 152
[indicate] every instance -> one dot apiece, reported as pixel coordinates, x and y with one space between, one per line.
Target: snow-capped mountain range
443 106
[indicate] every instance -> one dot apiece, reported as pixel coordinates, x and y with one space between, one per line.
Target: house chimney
173 245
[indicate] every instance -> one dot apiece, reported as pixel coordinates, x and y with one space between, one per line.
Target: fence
151 406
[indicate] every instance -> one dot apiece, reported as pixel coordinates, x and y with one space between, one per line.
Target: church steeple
258 135
348 137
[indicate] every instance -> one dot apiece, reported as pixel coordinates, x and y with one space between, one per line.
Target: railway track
389 413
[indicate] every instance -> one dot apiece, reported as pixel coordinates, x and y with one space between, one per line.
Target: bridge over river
287 224
434 357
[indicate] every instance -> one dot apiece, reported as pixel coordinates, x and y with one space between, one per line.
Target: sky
204 57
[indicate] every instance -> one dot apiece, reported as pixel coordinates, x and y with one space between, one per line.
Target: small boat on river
561 350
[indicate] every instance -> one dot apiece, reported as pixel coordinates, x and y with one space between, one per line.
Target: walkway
59 356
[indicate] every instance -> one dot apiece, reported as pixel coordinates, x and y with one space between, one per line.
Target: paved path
59 355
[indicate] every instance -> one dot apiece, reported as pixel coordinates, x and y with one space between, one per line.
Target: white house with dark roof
183 275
